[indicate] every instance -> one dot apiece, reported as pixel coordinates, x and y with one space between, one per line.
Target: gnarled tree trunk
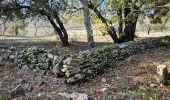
60 30
111 31
130 25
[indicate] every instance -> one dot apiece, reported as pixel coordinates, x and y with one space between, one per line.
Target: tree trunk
63 40
113 34
15 30
130 24
4 30
87 23
62 28
120 28
111 31
36 29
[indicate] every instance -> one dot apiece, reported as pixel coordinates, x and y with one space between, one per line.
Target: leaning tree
50 10
127 13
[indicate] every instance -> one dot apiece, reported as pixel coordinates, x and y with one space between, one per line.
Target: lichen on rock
79 66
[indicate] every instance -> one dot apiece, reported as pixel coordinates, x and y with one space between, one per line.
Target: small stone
162 74
73 61
18 91
12 57
67 66
89 71
64 69
121 46
39 94
57 69
153 85
104 80
35 71
6 77
104 89
50 56
75 78
56 60
12 48
79 96
25 68
160 69
75 96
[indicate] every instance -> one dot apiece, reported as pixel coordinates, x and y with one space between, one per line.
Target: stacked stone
81 66
37 59
90 63
8 54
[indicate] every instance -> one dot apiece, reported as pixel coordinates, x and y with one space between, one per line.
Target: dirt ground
134 77
78 42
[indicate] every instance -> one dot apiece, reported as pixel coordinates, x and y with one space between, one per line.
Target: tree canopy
123 12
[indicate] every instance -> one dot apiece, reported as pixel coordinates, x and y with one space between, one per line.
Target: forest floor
132 78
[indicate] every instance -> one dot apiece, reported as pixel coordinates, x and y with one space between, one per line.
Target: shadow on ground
55 46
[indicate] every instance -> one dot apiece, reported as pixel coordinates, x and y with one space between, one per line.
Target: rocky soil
125 71
133 78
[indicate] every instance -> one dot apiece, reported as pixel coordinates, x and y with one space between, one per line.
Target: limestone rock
104 80
25 68
73 61
83 65
162 73
75 78
56 60
57 69
75 96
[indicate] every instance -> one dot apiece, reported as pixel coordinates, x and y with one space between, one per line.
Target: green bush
166 42
147 94
10 30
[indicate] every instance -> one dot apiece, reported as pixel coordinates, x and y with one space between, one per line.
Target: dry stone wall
80 66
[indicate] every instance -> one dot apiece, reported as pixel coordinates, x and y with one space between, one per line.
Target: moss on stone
108 47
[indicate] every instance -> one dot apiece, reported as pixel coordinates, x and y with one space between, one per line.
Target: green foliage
96 33
101 26
108 47
166 42
76 18
57 38
147 94
159 27
11 30
14 28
